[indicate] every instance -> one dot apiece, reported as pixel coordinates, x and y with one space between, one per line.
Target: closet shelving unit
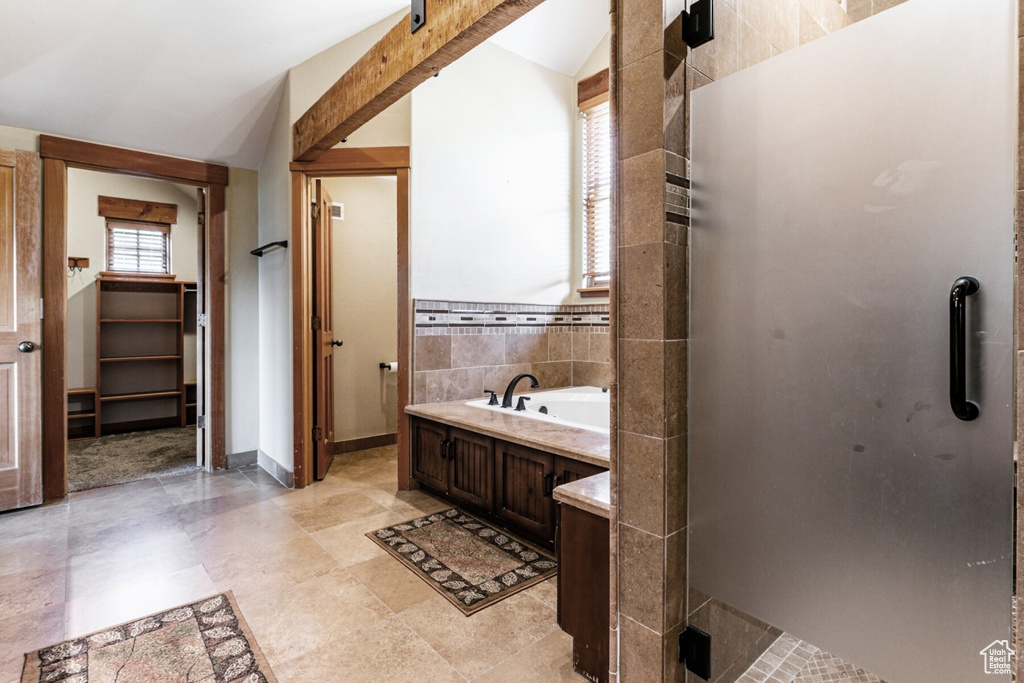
140 357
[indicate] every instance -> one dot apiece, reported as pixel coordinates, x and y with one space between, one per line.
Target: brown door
524 482
21 460
471 468
200 322
323 334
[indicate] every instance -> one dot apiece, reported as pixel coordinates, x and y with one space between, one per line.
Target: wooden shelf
190 405
141 320
140 396
81 390
124 359
80 414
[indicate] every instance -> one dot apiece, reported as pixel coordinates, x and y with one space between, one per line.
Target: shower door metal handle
962 408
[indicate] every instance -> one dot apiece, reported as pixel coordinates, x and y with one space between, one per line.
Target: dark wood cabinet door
524 480
569 470
428 465
471 468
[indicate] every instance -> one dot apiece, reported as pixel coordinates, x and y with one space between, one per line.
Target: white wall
491 176
365 306
599 59
306 82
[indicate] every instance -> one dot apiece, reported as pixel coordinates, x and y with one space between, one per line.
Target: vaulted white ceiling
193 78
202 79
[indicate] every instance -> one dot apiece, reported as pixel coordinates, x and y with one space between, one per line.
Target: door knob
337 342
27 347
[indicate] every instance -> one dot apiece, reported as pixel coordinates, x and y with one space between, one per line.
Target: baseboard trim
242 459
275 469
364 443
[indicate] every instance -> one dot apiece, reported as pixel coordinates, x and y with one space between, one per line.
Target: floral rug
467 561
206 642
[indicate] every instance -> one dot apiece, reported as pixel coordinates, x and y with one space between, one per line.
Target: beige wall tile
677 286
736 46
600 347
526 348
641 478
640 652
553 375
475 350
497 377
559 345
581 344
642 291
675 580
674 116
641 577
776 20
809 28
462 384
642 210
432 352
642 387
675 483
641 33
675 387
642 88
858 9
588 374
732 632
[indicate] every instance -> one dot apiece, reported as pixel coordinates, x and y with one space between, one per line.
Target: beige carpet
207 642
120 458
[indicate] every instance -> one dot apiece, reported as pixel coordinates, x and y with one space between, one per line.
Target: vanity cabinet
504 482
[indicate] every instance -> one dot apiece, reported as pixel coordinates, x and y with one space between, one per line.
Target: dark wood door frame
367 161
58 155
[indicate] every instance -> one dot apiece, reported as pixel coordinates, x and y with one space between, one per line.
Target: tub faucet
506 401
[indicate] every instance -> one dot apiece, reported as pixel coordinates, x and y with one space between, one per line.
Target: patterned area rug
120 458
467 561
205 642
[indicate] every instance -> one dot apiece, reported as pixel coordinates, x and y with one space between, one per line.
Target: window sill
593 292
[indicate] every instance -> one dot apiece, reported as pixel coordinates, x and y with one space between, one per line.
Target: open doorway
207 183
132 370
356 295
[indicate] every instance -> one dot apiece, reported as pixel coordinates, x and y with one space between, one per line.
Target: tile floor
324 602
790 660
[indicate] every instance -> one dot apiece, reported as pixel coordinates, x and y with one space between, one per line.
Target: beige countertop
592 494
569 442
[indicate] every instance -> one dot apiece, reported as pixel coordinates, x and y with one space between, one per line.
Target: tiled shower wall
460 348
655 73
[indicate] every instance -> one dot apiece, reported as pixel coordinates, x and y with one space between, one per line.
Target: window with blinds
136 247
596 194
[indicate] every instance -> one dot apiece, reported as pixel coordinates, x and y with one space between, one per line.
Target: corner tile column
650 302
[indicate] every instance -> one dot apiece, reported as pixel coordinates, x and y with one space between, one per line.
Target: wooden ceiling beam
399 62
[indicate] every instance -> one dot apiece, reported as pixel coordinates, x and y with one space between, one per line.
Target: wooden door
323 334
21 438
202 432
428 441
524 482
471 468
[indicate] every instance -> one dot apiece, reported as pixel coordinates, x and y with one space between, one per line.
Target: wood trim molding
55 326
343 162
58 154
135 210
398 63
357 159
592 87
131 162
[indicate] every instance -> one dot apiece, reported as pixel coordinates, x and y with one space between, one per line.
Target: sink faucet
506 401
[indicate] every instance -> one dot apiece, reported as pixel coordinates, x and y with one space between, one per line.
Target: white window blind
596 194
138 247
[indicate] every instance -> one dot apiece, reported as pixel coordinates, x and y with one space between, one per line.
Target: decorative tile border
459 317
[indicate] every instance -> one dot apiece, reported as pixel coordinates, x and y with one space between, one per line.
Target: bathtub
579 407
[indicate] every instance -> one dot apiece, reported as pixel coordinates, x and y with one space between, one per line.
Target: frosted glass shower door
839 192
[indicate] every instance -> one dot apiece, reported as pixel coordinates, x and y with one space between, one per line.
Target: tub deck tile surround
592 494
577 444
